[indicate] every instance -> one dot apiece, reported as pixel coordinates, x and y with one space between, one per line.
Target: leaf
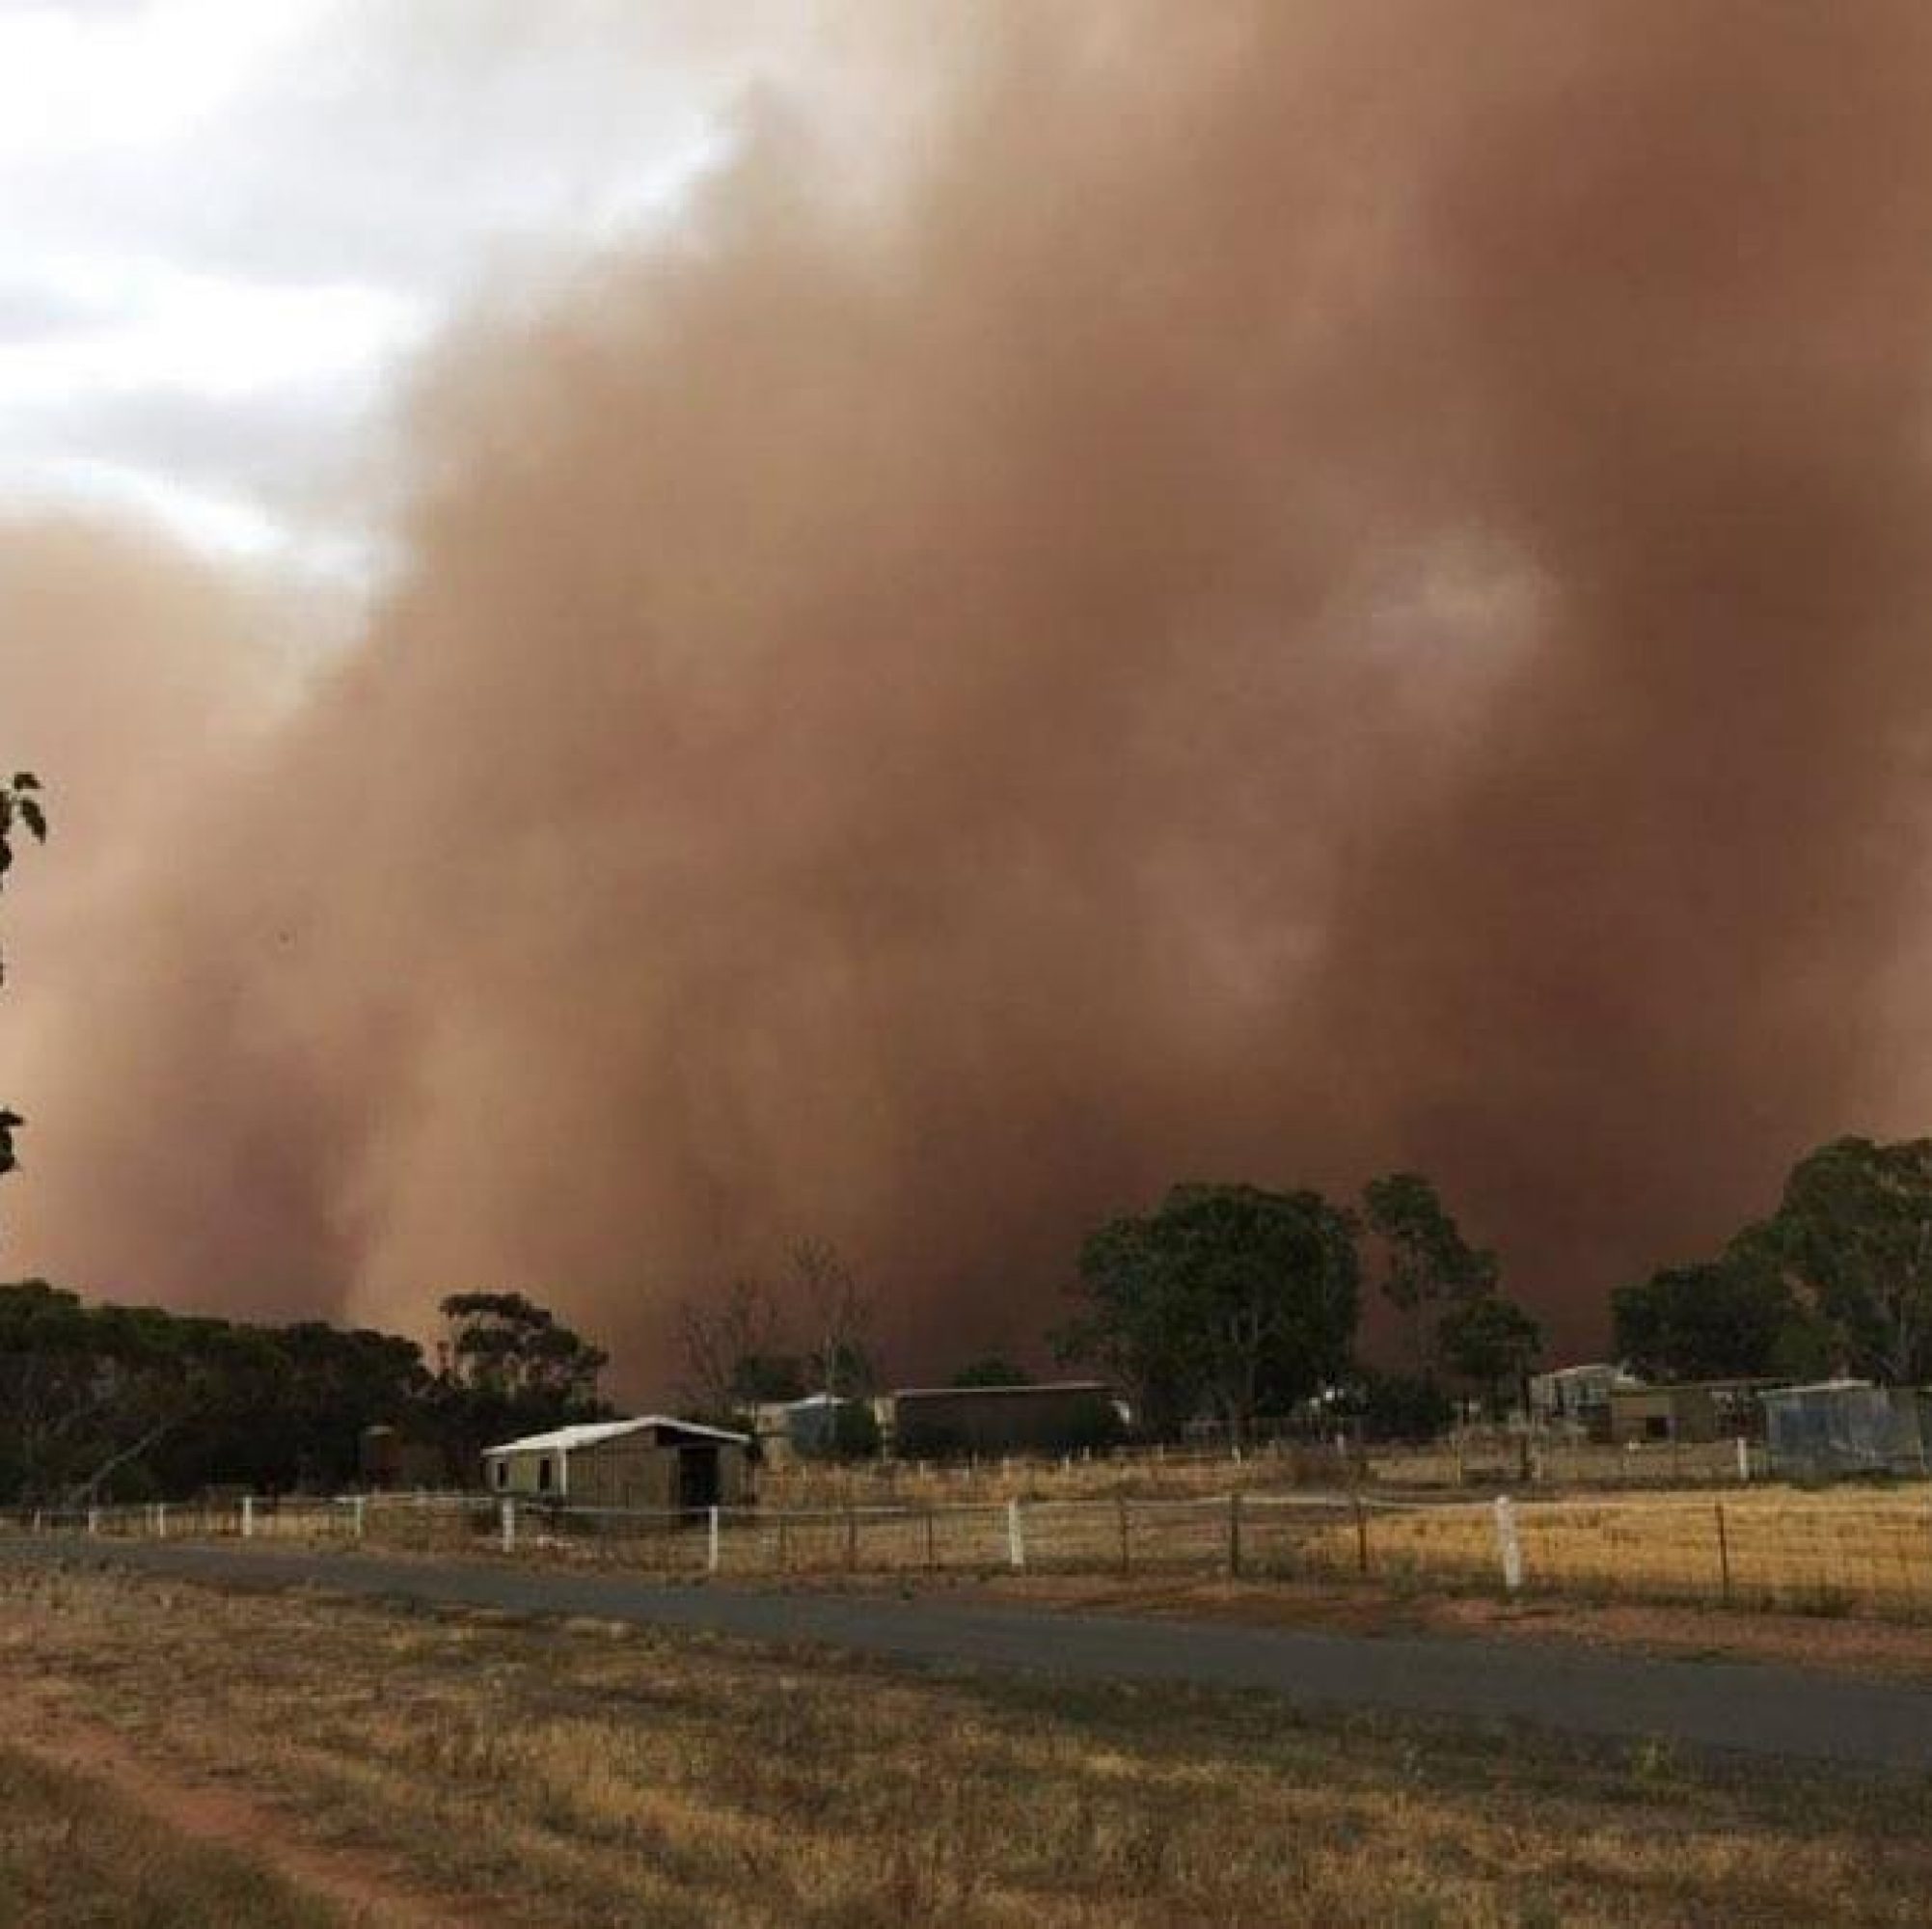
25 781
35 819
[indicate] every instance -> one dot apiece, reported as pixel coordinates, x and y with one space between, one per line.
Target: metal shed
654 1462
1837 1428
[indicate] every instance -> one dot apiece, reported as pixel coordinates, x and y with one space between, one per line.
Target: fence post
1234 1533
1507 1546
1723 1558
361 1502
1120 1501
248 1516
781 1541
94 1520
711 1548
1743 1461
932 1542
508 1514
160 1520
1016 1537
1361 1534
851 1538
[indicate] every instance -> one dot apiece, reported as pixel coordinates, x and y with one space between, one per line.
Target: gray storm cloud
1305 589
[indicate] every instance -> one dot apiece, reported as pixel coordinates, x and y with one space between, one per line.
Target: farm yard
481 1769
1852 1549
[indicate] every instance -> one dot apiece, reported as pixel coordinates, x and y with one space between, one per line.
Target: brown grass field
185 1755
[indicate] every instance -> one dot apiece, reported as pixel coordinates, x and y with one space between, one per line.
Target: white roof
591 1432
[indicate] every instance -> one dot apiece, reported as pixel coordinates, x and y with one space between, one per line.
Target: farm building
1689 1411
1577 1398
653 1462
1837 1428
799 1428
934 1422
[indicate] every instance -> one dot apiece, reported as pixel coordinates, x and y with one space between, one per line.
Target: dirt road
1745 1707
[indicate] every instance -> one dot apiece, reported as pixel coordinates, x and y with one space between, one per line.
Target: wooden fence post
1120 1501
931 1540
781 1541
1234 1533
850 1536
1723 1558
1016 1537
1509 1547
1361 1534
711 1546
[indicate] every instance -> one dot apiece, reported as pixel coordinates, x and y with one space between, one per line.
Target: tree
1736 1316
1428 1260
510 1367
1491 1341
1226 1294
731 1350
837 1312
21 810
1853 1236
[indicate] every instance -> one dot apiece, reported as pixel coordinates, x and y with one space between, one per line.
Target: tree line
1837 1278
113 1402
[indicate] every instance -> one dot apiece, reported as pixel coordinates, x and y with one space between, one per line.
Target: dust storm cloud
1280 590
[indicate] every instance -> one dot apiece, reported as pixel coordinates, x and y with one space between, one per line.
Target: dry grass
74 1856
592 1776
1846 1550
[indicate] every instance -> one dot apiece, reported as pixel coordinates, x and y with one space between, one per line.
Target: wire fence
1866 1553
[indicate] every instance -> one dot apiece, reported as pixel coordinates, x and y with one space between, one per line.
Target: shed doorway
696 1477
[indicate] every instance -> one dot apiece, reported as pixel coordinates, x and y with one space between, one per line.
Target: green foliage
991 1370
122 1402
1490 1341
1401 1407
1737 1316
1229 1295
1427 1259
510 1367
118 1402
21 810
1852 1237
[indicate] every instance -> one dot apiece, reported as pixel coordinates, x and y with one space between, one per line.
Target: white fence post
508 1509
160 1520
358 1516
1743 1459
94 1520
711 1542
1016 1535
248 1516
1507 1546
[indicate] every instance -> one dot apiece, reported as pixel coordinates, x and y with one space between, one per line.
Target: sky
233 227
949 614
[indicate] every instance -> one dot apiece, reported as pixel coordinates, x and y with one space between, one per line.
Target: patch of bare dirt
368 1892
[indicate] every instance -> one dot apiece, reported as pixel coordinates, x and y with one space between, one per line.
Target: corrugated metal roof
590 1433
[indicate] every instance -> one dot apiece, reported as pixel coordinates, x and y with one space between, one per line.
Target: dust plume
1280 590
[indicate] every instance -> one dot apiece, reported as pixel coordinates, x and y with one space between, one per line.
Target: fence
1483 1460
1869 1553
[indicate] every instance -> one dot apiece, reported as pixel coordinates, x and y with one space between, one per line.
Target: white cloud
232 223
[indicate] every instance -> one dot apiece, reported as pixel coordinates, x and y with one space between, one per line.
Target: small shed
655 1462
1833 1428
1687 1411
1576 1400
1058 1416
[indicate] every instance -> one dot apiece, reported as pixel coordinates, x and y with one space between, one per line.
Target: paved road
1742 1708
